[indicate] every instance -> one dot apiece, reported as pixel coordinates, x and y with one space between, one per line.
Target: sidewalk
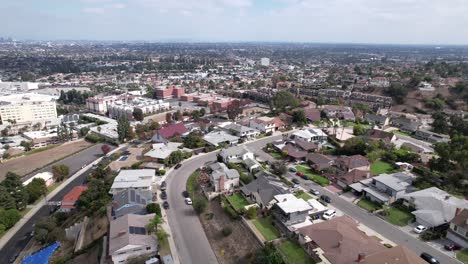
165 225
12 231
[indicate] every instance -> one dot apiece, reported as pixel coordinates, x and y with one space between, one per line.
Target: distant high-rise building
27 107
265 62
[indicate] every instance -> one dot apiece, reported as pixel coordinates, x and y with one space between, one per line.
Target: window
148 248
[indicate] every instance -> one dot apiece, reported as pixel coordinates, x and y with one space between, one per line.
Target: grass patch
293 254
380 167
302 195
462 256
401 133
25 211
398 216
238 201
164 248
265 226
369 205
276 155
313 176
192 184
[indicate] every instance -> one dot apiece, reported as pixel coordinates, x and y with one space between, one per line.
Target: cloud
94 10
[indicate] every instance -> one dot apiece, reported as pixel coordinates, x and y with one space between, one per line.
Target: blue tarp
42 256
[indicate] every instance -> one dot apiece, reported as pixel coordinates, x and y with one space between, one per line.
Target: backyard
369 205
293 254
265 226
238 201
398 216
462 256
380 167
312 176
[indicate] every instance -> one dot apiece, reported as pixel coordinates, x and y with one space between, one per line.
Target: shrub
161 172
153 208
199 204
432 235
251 212
387 245
246 178
231 212
226 231
268 134
93 138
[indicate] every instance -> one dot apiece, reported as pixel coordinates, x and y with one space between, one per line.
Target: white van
329 214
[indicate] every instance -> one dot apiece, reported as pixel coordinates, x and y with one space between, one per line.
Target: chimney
361 257
221 183
368 175
447 197
458 211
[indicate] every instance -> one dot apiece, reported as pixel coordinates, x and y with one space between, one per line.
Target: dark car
163 186
325 198
14 257
429 259
185 194
452 247
178 166
163 195
166 205
296 181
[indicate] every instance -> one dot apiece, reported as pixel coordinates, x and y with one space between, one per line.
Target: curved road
188 234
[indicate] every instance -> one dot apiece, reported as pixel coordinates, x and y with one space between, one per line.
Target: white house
222 178
310 135
133 179
128 238
264 124
241 131
220 137
236 154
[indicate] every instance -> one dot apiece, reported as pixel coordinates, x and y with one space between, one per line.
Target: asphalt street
188 234
75 163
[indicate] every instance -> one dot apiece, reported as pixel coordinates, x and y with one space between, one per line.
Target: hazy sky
357 21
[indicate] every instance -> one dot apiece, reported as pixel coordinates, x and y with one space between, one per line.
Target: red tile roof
172 130
72 196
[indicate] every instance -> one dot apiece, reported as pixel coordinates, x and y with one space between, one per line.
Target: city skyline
338 21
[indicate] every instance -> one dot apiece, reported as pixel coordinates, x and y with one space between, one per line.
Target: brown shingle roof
461 219
341 240
395 255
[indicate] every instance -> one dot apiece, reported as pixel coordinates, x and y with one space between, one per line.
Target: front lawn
369 205
265 226
302 195
238 201
276 155
293 254
380 167
462 256
398 216
312 176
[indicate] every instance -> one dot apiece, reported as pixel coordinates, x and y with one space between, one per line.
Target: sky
322 21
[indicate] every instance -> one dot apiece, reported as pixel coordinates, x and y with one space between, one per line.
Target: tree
202 111
27 145
193 140
154 125
196 115
359 130
83 131
60 172
440 124
153 208
95 198
123 128
14 186
105 149
279 168
138 114
269 254
354 146
169 117
234 110
47 230
6 200
283 100
152 226
299 117
199 204
174 158
178 116
251 212
9 218
36 188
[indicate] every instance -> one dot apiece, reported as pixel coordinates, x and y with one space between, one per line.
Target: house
266 124
222 178
236 154
129 202
458 230
169 131
293 153
380 121
241 131
161 151
395 255
338 111
70 199
386 137
310 135
133 179
47 176
405 124
430 136
355 162
319 162
385 188
290 210
215 138
352 177
337 241
433 206
312 114
306 146
129 238
263 189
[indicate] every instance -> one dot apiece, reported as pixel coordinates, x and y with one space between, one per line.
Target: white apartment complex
100 104
18 86
146 105
27 108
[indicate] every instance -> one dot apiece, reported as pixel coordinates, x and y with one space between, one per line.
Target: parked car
295 188
163 186
178 166
452 247
292 169
429 259
296 181
325 198
185 194
163 195
188 201
314 191
329 214
300 174
419 229
166 205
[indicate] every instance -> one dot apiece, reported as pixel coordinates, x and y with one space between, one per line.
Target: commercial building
18 86
27 108
169 92
100 104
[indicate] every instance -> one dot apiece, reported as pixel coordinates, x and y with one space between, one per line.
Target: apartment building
101 104
168 92
27 108
146 105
